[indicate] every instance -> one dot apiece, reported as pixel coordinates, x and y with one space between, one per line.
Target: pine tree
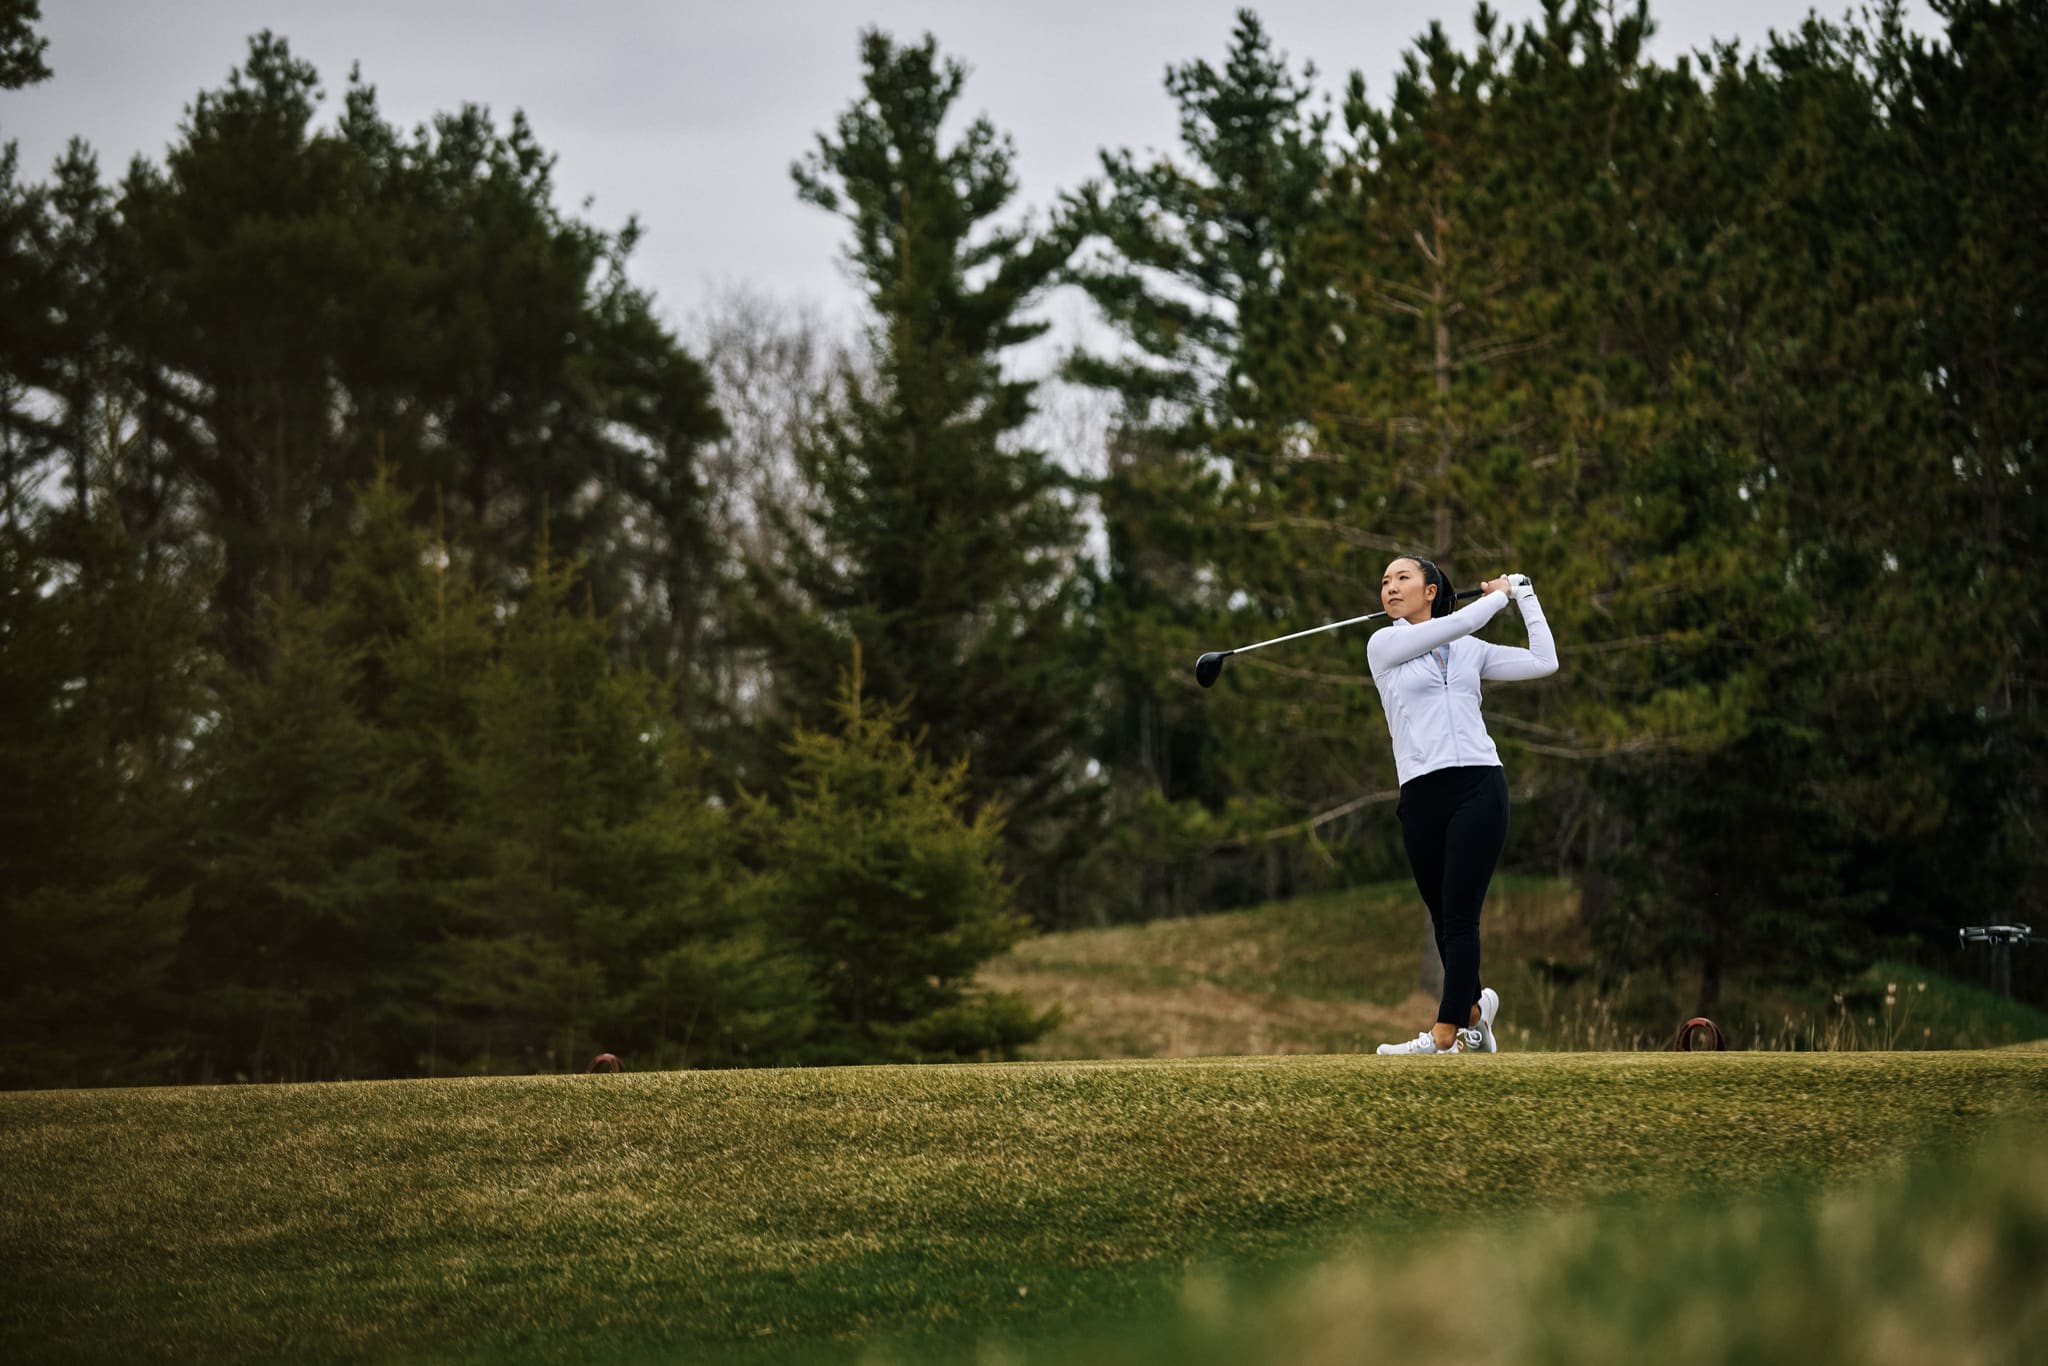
327 782
934 539
296 305
1195 262
587 878
101 678
1620 485
296 863
423 634
33 297
212 361
100 658
522 972
1969 125
21 48
251 229
880 879
1784 588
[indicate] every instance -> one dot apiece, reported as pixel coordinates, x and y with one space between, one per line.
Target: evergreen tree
588 878
1969 151
881 880
297 305
935 540
212 360
327 785
1195 263
1792 642
21 48
423 634
253 227
1786 614
520 972
30 295
1194 260
101 677
61 404
99 657
296 862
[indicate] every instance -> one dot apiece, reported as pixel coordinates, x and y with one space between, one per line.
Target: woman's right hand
1499 585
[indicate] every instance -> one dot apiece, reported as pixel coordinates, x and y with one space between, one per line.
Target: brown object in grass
1683 1043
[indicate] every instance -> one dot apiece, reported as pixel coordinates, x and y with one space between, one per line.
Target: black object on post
2000 939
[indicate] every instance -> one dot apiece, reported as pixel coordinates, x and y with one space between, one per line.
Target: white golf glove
1519 587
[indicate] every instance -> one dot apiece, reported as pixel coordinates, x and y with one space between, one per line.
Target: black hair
1445 599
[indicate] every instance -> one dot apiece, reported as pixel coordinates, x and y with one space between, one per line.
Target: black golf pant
1455 823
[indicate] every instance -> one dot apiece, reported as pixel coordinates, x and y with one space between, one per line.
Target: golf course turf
801 1214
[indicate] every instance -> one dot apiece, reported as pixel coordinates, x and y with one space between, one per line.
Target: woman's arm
1508 664
1390 646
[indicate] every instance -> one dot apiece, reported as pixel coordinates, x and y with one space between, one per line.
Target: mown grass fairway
773 1215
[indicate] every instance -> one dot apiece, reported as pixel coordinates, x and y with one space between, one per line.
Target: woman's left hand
1499 585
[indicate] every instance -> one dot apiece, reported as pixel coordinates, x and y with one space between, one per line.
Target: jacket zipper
1443 670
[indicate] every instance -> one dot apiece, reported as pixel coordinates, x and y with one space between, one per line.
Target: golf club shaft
1335 625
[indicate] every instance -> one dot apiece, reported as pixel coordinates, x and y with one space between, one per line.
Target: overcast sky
687 113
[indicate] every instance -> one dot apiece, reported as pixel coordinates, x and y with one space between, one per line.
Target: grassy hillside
1338 973
810 1215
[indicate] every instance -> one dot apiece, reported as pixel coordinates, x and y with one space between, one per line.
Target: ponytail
1446 600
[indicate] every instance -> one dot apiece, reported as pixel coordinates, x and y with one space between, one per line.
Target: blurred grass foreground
1590 1207
1948 1264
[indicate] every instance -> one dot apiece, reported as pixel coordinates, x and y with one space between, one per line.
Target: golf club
1210 666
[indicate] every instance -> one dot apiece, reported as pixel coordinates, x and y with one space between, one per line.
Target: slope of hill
1339 972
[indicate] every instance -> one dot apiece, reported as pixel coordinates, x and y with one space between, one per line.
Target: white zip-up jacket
1429 676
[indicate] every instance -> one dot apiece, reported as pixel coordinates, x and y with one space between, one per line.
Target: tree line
418 659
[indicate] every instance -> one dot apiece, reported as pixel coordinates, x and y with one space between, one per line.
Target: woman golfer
1428 665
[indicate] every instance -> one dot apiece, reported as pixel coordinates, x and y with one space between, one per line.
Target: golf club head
1210 665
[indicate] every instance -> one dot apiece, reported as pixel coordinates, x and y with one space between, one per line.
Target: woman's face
1405 592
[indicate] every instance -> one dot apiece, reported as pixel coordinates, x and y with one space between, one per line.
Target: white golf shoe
1489 1008
1467 1041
